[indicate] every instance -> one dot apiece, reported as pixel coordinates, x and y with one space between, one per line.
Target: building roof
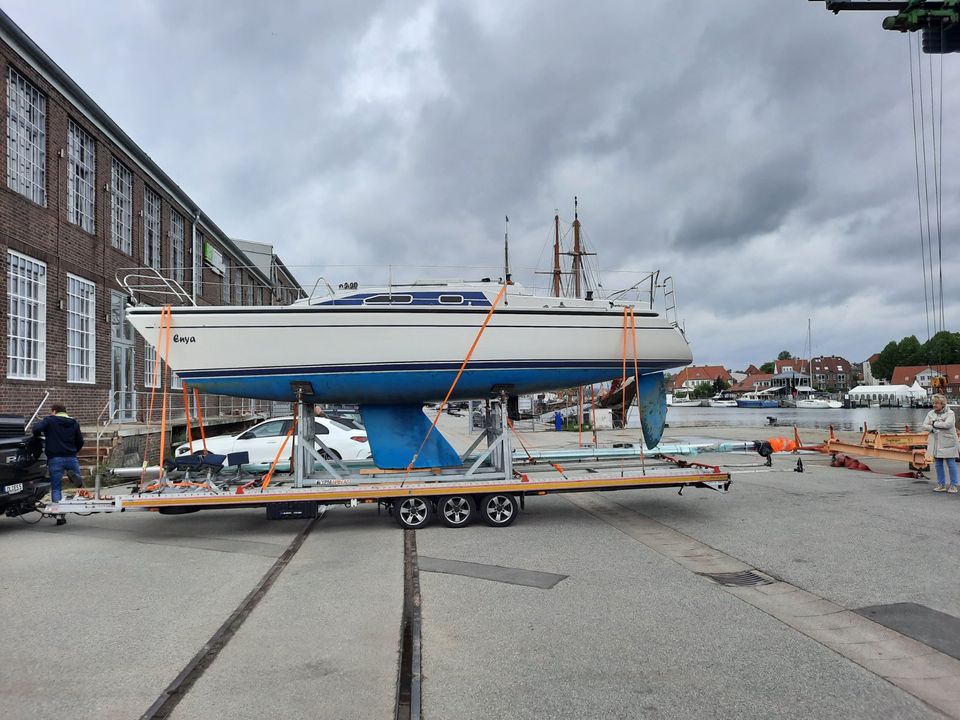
749 383
907 374
831 364
752 370
873 358
796 364
701 373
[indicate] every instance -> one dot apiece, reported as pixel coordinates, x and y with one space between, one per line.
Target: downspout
195 257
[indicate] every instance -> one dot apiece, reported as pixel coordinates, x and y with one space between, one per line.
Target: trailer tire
456 511
499 509
413 513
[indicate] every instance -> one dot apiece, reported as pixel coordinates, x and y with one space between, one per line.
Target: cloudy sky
761 153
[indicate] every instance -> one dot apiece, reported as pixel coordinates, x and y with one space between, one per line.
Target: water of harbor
886 419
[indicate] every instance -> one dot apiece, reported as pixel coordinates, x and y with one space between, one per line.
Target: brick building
833 374
82 204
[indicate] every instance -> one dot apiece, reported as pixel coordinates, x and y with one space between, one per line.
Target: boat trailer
493 486
907 447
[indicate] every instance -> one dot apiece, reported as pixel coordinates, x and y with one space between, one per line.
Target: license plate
11 489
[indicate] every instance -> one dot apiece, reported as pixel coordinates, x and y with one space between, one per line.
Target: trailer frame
494 485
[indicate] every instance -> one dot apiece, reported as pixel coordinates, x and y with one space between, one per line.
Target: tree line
942 349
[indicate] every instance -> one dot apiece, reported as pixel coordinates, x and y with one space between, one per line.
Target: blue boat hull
386 385
758 403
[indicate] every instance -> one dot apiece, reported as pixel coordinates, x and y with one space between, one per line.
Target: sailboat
805 393
391 349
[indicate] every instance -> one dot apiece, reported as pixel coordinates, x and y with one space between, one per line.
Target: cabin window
389 300
451 299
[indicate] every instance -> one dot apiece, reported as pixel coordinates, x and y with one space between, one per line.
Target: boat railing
150 281
313 292
642 292
670 301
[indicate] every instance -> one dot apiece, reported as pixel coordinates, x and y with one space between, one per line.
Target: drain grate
742 578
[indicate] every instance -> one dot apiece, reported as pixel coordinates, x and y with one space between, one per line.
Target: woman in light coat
942 442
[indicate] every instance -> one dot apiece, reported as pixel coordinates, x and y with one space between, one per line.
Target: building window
237 286
26 317
226 283
121 202
176 246
81 177
153 379
198 266
150 366
26 138
81 330
151 228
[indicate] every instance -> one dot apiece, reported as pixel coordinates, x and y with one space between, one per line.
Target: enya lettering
184 339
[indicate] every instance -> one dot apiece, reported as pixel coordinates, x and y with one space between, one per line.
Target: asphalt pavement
585 607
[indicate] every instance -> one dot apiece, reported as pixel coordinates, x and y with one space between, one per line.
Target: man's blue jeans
951 466
59 465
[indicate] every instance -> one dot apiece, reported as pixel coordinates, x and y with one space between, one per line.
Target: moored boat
761 399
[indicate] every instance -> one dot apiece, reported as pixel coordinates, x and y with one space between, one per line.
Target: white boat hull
406 354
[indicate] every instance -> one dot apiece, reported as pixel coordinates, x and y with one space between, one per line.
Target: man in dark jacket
63 440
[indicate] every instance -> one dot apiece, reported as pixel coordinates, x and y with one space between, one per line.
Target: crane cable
930 288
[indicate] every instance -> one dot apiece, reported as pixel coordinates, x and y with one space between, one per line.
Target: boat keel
395 433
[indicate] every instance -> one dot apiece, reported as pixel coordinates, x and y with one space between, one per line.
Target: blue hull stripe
549 366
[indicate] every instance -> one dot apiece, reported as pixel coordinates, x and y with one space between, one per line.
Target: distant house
694 375
924 374
801 367
752 383
752 370
830 371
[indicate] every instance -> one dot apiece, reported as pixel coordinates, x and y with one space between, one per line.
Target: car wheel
413 513
499 509
456 511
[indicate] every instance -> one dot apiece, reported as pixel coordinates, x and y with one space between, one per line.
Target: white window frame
149 361
149 381
26 138
151 228
26 317
81 177
177 258
81 330
121 206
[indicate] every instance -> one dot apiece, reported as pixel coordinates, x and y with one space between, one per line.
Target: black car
23 476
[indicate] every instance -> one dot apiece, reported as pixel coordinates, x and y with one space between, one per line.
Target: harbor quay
827 593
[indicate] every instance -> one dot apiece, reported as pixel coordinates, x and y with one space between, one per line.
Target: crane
937 20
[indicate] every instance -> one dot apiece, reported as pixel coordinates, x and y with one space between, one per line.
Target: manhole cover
744 577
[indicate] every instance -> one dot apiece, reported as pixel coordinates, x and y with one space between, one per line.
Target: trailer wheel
412 513
499 509
456 511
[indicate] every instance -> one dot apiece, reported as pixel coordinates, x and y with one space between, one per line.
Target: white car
262 441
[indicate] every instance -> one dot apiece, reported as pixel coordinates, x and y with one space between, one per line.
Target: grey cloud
759 152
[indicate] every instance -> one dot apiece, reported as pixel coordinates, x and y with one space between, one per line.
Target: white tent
889 393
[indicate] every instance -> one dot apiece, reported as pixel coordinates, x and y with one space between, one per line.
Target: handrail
650 279
313 290
151 280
